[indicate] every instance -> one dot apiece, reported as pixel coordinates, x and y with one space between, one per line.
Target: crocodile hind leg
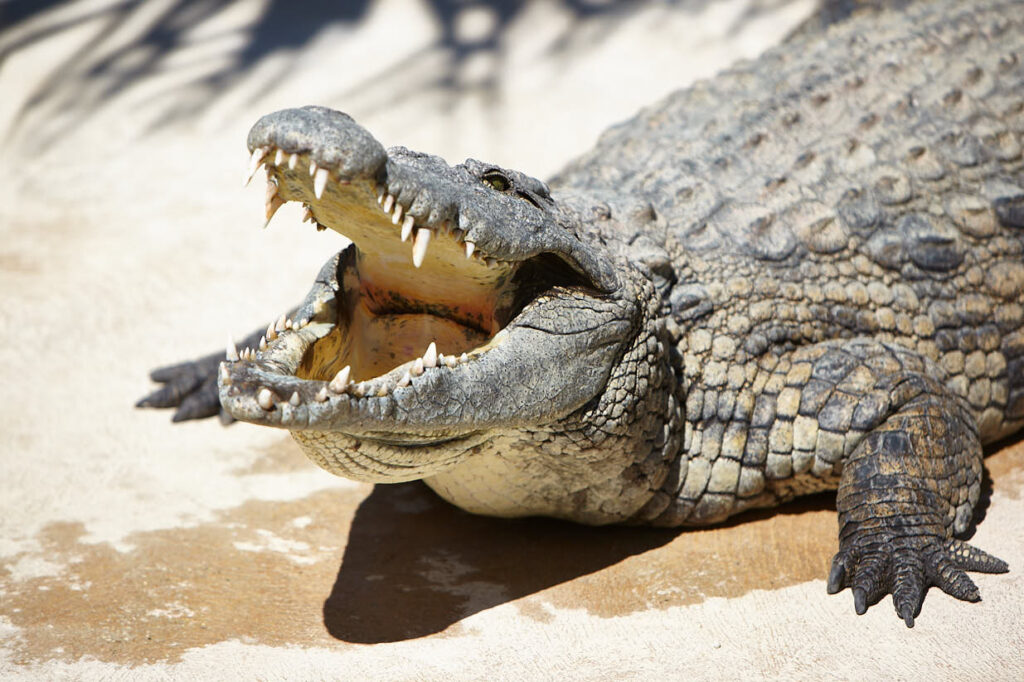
906 488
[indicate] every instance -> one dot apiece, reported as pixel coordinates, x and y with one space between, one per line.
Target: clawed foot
906 567
189 386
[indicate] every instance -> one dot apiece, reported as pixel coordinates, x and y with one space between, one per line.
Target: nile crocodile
804 274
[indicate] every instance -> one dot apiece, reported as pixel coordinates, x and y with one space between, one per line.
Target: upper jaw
468 246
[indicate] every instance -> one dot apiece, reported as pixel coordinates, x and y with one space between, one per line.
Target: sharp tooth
279 325
320 228
321 397
279 157
232 351
263 343
419 246
397 215
293 161
320 182
450 360
340 380
417 367
389 202
307 215
470 248
407 227
312 167
271 332
255 161
463 358
380 196
288 323
404 381
265 398
295 400
225 375
430 357
271 207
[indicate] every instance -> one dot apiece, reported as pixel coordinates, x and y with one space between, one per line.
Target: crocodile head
468 310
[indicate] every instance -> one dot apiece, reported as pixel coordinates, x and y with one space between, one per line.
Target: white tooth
407 227
232 351
404 381
265 398
389 202
255 161
450 360
288 323
419 246
340 380
470 248
312 167
320 182
321 397
225 375
430 357
463 358
279 157
293 161
318 306
417 367
263 343
307 215
380 196
279 325
271 332
397 215
295 400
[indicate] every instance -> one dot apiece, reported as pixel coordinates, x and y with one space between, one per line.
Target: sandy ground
131 548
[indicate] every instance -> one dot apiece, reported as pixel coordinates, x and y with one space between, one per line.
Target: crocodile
804 274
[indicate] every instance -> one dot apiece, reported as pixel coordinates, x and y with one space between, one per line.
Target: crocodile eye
497 181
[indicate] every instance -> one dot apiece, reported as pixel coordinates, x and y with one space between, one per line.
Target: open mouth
414 295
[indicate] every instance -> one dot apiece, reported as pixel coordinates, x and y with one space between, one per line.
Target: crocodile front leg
875 420
191 386
905 490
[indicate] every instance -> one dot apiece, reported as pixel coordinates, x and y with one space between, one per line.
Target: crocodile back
865 182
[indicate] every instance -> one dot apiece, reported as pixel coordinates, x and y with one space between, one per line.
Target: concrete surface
134 549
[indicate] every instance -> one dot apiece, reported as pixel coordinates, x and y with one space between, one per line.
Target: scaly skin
805 274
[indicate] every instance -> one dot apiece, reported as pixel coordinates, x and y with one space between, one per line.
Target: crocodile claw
906 567
189 386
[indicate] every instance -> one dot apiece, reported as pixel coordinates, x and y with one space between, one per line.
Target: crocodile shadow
414 565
